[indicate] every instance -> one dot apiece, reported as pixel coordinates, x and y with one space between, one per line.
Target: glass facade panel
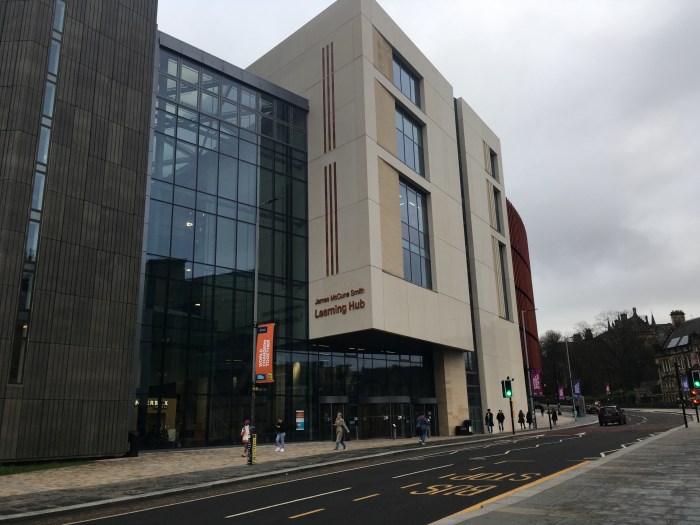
414 226
38 191
54 56
205 238
409 139
49 98
59 16
207 171
159 223
183 233
198 300
186 165
42 154
163 161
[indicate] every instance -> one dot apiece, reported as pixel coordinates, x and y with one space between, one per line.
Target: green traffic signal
508 389
696 378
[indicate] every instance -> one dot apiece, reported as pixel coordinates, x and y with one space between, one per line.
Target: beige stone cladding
495 311
342 62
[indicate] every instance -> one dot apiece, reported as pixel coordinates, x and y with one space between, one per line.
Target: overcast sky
597 105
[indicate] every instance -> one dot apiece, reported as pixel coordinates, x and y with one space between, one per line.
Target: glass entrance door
328 413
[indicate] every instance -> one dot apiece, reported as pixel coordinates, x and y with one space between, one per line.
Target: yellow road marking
366 497
514 491
409 486
306 514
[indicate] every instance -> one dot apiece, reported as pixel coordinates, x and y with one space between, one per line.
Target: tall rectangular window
406 81
495 209
490 161
409 141
500 257
414 236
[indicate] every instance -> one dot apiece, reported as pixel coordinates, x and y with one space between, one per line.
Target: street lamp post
530 404
571 381
255 314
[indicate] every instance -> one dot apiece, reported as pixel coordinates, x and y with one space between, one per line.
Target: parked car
612 414
591 409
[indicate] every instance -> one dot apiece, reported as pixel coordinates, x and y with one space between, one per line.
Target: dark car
611 414
591 409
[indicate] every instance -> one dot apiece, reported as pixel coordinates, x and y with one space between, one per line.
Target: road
418 487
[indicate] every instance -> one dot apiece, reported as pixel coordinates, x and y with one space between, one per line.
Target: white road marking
421 471
286 503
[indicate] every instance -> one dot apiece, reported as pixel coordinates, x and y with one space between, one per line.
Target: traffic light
695 379
506 388
694 396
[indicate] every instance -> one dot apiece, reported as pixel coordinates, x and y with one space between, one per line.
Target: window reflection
201 248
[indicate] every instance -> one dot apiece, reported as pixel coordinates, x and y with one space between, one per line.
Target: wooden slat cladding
79 360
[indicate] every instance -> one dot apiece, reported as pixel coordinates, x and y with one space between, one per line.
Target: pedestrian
500 417
245 437
281 429
554 417
422 425
489 420
528 418
340 429
521 420
542 410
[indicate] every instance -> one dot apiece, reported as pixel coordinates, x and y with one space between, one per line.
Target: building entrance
328 413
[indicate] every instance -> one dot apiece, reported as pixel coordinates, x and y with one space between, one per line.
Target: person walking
340 429
489 420
500 417
554 417
528 418
281 429
245 437
422 425
521 420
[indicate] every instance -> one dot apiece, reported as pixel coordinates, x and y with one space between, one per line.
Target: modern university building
137 173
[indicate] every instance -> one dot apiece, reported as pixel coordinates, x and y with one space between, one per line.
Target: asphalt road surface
419 487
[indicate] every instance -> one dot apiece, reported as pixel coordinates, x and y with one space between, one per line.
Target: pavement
629 486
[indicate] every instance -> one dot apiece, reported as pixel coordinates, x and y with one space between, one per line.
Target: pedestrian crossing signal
507 388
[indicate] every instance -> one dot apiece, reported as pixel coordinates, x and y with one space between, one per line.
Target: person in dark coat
281 429
528 418
489 420
500 417
521 420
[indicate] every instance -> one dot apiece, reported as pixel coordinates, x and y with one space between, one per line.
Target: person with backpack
422 426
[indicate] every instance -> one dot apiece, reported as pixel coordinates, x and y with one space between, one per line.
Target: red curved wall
525 298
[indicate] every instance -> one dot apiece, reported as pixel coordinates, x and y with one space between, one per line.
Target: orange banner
263 353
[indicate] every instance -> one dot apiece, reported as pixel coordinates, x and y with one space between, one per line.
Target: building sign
535 382
685 386
340 303
607 389
263 353
561 392
576 384
299 419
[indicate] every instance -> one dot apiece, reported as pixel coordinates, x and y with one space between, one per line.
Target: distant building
677 355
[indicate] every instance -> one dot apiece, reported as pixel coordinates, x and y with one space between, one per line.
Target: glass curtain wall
214 138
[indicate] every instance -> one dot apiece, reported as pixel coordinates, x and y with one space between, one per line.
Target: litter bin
133 450
465 429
